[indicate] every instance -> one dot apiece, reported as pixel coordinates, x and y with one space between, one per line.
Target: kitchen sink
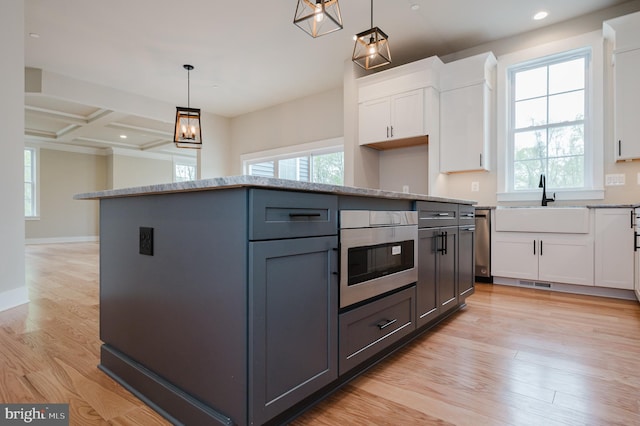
568 220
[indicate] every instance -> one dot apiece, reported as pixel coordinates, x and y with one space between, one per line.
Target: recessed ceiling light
540 15
123 136
34 35
415 7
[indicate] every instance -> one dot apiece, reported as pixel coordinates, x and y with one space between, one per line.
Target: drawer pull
442 214
304 214
385 323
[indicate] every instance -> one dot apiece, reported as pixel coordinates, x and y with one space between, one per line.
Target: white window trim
186 161
316 148
595 106
36 185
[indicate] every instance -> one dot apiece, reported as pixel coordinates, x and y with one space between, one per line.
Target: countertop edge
259 182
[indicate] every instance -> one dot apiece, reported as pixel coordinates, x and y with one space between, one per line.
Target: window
547 121
30 183
320 162
551 120
184 170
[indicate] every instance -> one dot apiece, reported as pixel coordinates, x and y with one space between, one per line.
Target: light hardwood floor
512 357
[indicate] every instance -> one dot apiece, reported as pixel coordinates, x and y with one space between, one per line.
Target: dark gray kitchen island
219 298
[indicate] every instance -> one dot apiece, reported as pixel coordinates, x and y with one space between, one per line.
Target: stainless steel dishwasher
483 245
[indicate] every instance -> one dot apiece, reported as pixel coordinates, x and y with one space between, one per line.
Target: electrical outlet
614 179
475 186
146 241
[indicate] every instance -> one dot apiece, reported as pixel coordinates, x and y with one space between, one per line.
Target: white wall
13 290
214 156
62 175
128 170
459 185
309 119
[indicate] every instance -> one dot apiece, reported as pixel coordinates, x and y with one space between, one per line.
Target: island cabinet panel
438 266
466 254
368 329
293 331
287 214
181 312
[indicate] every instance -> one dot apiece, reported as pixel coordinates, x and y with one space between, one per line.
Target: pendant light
372 47
318 17
188 133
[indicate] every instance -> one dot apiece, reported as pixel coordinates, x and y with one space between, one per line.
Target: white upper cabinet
394 105
392 117
624 34
466 113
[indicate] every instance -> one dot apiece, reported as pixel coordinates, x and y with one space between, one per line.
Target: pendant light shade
318 17
187 132
371 48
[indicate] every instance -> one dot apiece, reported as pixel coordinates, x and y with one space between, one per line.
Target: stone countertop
259 182
588 206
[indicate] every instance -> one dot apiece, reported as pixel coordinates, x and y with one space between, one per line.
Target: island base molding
157 392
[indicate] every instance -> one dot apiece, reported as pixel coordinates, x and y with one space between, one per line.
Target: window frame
35 183
310 149
593 132
184 161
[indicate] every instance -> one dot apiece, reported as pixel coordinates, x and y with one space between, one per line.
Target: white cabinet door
464 129
514 255
627 103
614 254
374 120
561 258
566 258
407 114
393 117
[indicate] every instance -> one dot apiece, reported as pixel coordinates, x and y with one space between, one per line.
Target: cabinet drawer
431 214
466 215
368 329
290 214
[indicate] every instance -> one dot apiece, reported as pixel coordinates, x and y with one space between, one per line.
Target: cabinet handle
386 323
387 131
304 214
540 247
534 247
480 159
631 218
619 148
446 242
391 131
442 214
635 241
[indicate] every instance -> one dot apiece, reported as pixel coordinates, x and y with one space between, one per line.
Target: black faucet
543 185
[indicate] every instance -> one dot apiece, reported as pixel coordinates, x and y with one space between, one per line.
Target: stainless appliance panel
483 244
374 231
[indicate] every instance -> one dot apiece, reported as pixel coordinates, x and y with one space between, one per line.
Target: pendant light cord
188 88
371 13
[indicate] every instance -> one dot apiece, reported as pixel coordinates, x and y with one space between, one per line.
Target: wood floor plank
513 356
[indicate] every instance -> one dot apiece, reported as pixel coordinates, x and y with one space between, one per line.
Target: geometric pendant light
318 17
187 132
371 48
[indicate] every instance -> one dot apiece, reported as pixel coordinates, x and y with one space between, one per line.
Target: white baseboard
58 240
12 298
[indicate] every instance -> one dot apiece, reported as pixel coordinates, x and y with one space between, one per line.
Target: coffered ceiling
116 66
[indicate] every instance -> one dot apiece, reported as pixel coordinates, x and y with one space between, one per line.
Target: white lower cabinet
548 257
614 255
